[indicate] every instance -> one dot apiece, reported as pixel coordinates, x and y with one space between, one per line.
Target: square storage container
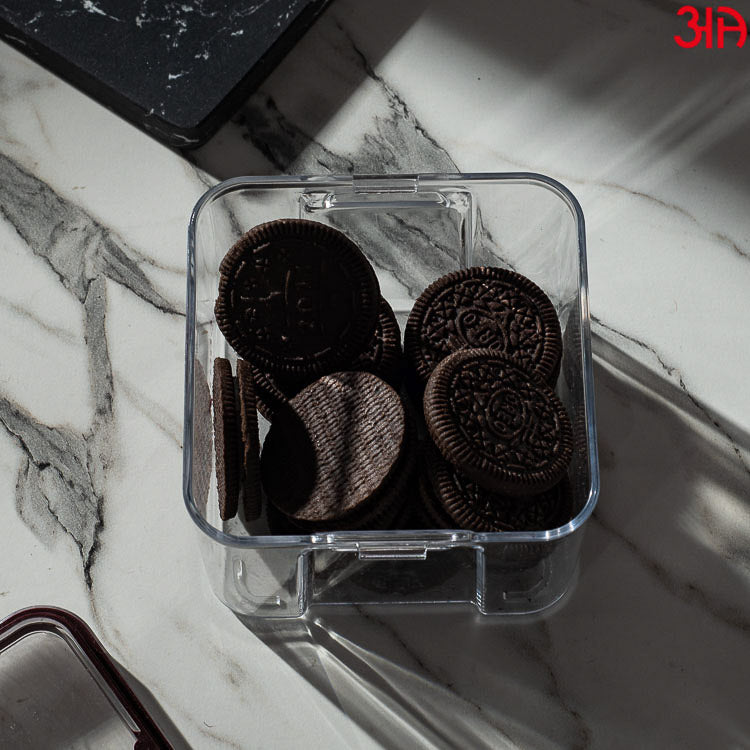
413 229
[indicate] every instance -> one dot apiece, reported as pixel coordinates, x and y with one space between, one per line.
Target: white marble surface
651 648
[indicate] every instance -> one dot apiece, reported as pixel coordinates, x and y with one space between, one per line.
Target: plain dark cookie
296 298
335 451
226 440
251 487
474 508
498 423
484 307
202 437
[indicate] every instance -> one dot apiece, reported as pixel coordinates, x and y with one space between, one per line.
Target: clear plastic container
414 229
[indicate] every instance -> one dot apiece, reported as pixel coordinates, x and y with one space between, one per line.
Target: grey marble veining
76 246
61 481
54 487
394 142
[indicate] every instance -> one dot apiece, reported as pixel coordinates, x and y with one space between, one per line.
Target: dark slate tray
176 69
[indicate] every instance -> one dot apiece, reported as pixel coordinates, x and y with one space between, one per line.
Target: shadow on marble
278 123
651 642
669 390
675 485
615 62
666 100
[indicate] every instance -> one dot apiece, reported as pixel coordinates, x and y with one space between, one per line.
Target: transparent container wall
413 230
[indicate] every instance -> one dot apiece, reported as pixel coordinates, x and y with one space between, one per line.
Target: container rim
340 540
80 640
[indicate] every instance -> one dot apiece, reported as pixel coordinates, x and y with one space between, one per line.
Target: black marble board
176 69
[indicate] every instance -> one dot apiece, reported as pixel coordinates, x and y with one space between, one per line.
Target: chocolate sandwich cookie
202 437
226 440
517 559
380 513
333 455
497 422
483 307
381 357
431 510
251 488
296 298
272 392
474 508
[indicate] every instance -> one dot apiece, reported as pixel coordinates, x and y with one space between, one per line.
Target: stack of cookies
483 347
300 304
319 356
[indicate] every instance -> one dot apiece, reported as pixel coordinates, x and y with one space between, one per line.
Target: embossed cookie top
381 356
296 297
484 307
470 506
335 448
496 422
